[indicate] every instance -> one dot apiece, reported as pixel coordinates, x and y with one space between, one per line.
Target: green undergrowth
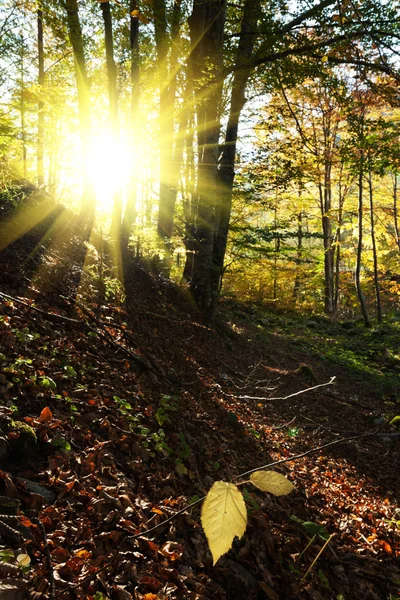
371 353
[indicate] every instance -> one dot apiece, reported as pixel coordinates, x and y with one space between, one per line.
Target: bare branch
320 385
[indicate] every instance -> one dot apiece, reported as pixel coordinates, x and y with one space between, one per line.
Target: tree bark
226 173
360 243
206 25
113 106
395 211
130 210
374 249
76 39
40 137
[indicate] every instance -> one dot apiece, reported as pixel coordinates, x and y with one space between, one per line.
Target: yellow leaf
324 59
23 560
223 517
135 14
272 482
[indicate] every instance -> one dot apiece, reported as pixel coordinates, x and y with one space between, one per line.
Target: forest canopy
248 146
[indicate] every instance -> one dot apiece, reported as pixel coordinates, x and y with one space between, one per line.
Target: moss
25 443
396 421
306 372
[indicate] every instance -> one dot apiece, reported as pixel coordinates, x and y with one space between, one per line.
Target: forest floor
117 412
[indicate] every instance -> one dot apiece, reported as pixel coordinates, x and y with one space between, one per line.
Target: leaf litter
123 447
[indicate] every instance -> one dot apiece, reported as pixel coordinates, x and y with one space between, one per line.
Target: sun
109 168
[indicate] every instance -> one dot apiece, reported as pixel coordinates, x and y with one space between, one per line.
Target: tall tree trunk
206 25
76 39
189 205
165 118
40 137
395 210
170 149
113 107
23 109
360 243
299 251
338 247
226 174
130 210
374 250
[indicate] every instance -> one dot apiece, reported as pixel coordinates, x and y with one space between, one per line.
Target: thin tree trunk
113 107
166 121
297 280
360 244
23 110
395 211
328 245
76 38
374 250
130 210
40 138
189 206
338 250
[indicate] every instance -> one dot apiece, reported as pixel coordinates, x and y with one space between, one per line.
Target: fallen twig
316 558
43 312
46 549
320 385
311 451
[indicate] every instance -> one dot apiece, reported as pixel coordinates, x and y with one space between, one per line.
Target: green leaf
181 469
223 517
315 529
272 482
7 556
61 442
47 383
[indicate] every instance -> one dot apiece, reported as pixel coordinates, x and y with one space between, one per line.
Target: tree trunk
206 25
395 211
40 137
170 149
113 105
251 12
338 246
360 243
297 280
23 110
374 251
76 39
130 210
166 121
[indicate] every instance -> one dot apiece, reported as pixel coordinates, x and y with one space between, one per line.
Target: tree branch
330 382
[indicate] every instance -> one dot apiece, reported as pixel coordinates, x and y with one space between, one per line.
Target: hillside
119 410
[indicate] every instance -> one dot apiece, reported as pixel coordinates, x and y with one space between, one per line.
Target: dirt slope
137 407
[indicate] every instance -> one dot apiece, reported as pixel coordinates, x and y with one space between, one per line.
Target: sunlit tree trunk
130 210
23 109
299 250
113 106
360 242
338 248
189 204
76 39
395 210
40 138
374 249
170 148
